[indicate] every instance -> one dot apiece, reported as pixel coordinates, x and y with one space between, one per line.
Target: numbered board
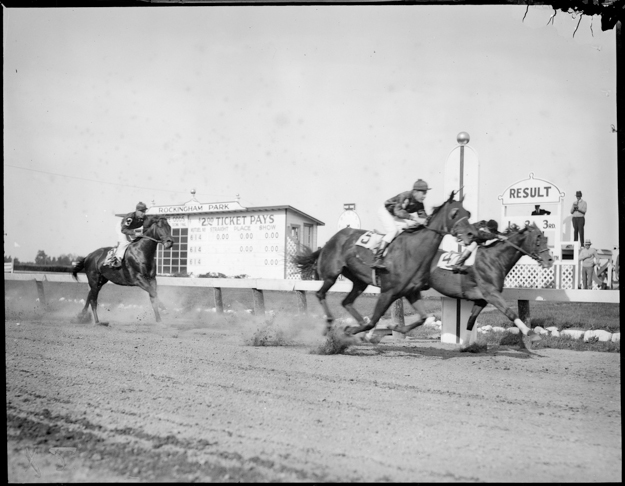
251 243
549 225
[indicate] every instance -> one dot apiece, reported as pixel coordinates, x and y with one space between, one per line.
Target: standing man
587 257
578 210
539 212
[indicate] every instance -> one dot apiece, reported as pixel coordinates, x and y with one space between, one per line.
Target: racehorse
138 267
407 263
483 281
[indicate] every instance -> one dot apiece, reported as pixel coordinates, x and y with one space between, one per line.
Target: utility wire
105 182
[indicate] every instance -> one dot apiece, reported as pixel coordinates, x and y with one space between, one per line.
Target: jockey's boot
459 266
379 256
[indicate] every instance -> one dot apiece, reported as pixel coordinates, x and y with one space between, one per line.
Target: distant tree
41 258
7 258
16 261
65 259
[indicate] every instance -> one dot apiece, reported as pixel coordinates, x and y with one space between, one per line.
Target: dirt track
190 401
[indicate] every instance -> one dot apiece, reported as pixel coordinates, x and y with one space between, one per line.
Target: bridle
445 231
150 238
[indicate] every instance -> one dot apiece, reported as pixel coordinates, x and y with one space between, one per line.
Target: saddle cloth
449 258
111 254
370 240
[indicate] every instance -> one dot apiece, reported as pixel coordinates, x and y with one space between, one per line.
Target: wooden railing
300 287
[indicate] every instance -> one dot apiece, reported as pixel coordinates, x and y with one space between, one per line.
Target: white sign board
245 243
531 192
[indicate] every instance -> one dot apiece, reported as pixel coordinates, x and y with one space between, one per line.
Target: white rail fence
300 287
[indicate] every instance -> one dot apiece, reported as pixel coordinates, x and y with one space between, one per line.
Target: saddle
110 255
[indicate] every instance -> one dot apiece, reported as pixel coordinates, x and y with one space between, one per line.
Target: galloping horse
407 263
483 281
138 267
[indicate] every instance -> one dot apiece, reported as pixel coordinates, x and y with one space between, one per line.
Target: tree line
43 259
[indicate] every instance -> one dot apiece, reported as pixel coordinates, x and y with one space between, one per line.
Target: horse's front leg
498 301
149 285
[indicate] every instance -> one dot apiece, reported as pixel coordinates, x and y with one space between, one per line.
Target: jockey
400 212
487 231
131 226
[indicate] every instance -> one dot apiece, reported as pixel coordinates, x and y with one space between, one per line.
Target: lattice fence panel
523 276
567 277
292 272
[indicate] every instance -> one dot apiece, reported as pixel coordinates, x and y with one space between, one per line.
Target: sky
307 106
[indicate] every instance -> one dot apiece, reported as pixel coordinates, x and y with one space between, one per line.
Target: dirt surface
191 400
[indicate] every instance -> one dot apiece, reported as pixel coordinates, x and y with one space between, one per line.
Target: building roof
242 210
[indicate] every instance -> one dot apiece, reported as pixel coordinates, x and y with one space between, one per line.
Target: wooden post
259 302
397 315
524 312
301 301
42 296
219 303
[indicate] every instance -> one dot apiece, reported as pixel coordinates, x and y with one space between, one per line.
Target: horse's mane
436 209
150 220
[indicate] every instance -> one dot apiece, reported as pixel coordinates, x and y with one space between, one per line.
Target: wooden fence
300 287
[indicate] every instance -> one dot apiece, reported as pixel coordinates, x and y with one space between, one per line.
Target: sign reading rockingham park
196 207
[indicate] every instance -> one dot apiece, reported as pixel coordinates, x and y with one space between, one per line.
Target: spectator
539 212
578 210
587 257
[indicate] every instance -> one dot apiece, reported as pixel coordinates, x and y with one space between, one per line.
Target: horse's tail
78 266
306 261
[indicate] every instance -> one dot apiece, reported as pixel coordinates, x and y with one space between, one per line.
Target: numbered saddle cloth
370 240
450 258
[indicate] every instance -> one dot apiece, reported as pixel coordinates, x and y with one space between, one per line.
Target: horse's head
452 218
158 228
535 244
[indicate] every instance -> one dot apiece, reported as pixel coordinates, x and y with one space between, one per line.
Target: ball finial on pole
463 138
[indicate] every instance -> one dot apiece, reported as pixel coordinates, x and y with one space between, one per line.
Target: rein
532 255
150 238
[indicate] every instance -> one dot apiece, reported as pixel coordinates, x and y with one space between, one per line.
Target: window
174 260
295 232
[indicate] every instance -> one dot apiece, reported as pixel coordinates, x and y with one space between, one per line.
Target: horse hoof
375 339
102 324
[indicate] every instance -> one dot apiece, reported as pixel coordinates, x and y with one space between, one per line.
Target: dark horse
138 267
483 281
407 263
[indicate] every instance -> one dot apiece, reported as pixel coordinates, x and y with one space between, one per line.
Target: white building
233 240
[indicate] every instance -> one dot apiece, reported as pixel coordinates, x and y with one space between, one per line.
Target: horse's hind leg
321 295
384 302
84 316
348 302
414 298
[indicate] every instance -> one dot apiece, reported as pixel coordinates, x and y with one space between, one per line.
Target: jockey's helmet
141 207
492 226
421 185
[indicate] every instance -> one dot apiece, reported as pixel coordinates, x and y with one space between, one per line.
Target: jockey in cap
130 227
400 212
486 231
